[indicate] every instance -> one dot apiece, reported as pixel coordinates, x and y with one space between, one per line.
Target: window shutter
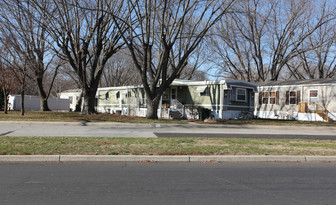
260 98
252 102
298 97
277 100
229 95
287 97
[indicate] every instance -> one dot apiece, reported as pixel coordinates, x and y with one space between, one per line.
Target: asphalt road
161 130
168 183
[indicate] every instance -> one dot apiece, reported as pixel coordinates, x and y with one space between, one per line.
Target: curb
249 158
150 158
29 158
122 158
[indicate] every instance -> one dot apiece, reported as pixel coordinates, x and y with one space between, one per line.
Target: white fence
33 103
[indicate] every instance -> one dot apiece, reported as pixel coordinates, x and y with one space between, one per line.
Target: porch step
309 107
175 114
325 117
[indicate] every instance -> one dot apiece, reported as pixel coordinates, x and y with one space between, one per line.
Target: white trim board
291 86
217 105
115 104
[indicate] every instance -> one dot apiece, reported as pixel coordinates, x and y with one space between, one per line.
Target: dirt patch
210 143
181 153
108 143
297 149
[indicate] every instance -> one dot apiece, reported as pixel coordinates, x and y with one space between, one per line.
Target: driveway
71 129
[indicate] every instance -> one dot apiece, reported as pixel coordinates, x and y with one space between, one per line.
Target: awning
201 88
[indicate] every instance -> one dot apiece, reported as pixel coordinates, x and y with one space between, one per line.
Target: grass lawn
76 117
163 146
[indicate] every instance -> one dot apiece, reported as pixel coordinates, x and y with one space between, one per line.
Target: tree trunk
23 85
79 103
152 107
5 102
44 104
43 97
22 103
89 102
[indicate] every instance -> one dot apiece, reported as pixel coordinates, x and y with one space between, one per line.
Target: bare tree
165 35
2 105
262 37
61 82
14 72
192 73
86 36
196 61
239 41
5 84
320 60
29 40
290 31
120 71
9 80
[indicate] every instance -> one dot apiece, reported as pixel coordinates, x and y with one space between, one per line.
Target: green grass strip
162 146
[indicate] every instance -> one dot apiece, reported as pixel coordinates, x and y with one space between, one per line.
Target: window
206 92
313 96
292 98
272 97
107 95
269 98
71 99
203 90
241 94
173 93
117 95
265 98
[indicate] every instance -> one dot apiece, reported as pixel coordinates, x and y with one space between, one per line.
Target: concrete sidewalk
113 129
166 125
151 158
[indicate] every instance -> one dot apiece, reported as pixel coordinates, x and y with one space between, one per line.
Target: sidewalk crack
6 133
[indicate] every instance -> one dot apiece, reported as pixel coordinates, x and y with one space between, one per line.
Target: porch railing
312 107
177 105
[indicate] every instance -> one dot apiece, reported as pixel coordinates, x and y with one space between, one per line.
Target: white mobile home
73 95
309 100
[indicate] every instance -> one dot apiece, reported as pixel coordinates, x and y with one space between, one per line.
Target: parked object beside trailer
73 95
